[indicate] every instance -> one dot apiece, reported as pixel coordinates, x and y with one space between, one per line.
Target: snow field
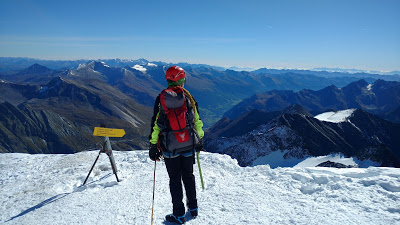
46 189
335 117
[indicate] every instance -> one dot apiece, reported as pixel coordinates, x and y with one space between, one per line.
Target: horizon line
245 68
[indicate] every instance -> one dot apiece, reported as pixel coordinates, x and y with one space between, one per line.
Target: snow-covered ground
46 189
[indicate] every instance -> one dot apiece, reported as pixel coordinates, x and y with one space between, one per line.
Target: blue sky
359 34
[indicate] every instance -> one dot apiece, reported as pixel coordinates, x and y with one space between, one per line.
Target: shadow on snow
56 198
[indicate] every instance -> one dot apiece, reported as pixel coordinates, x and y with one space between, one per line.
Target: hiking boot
175 219
194 212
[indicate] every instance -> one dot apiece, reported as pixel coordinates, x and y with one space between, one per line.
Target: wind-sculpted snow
46 189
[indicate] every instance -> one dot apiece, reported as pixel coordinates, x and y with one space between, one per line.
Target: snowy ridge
335 117
46 189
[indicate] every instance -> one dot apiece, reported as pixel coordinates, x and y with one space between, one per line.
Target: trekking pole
154 188
201 175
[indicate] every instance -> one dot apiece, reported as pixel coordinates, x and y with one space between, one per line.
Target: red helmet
175 73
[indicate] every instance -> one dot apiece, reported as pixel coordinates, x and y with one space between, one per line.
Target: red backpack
181 120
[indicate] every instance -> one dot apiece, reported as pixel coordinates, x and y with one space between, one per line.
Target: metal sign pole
106 133
111 156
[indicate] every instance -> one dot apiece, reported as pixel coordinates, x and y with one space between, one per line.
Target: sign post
106 133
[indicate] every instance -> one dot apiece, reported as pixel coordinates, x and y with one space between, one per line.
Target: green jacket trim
198 124
156 131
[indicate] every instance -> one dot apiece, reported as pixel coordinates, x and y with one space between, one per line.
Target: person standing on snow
176 132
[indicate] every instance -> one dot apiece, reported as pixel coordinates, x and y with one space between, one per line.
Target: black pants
181 169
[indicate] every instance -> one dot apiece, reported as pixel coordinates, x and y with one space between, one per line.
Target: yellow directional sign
108 132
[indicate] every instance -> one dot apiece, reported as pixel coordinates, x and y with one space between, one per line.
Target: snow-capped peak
81 66
335 117
151 64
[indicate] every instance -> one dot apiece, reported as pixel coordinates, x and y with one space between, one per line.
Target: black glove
154 153
199 146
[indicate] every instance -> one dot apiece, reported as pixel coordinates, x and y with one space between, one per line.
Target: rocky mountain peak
296 109
35 69
356 87
330 88
52 88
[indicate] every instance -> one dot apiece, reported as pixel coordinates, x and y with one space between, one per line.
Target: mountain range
381 98
329 73
19 63
81 104
216 91
122 96
293 134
